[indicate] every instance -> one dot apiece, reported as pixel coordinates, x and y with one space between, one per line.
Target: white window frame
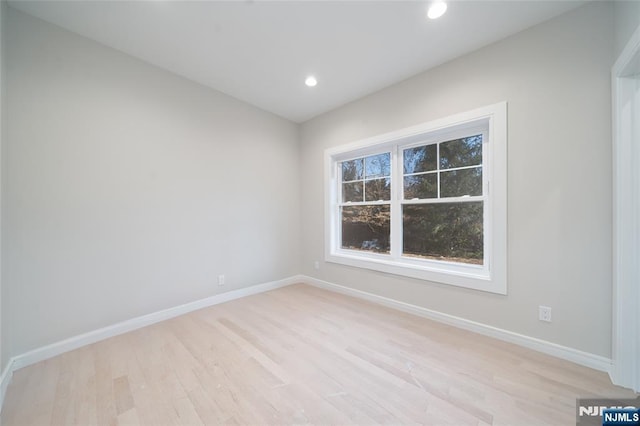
491 276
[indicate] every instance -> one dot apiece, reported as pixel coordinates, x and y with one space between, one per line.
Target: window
427 202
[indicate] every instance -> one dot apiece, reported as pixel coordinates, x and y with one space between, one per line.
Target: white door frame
625 369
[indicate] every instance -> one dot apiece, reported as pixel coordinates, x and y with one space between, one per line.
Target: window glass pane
352 191
457 183
352 170
448 231
421 186
461 152
420 159
378 165
377 189
366 228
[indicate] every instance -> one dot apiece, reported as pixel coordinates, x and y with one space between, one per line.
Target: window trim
492 275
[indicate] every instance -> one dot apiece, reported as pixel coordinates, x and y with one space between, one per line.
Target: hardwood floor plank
122 394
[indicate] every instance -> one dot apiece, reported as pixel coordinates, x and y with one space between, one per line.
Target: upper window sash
436 173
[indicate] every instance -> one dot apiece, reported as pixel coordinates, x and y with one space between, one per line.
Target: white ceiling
261 51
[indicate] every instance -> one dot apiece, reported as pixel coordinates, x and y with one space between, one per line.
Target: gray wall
627 20
128 189
3 324
556 80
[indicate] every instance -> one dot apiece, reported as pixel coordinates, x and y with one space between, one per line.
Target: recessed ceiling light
437 9
311 81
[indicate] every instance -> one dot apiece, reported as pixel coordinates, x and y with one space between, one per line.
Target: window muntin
436 168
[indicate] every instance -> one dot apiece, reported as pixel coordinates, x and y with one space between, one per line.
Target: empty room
262 212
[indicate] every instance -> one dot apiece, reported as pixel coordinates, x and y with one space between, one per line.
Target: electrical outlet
316 264
544 313
220 280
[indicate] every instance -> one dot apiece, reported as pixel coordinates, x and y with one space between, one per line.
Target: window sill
468 276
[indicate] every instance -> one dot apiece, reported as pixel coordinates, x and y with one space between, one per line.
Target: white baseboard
57 348
579 357
76 342
5 379
596 362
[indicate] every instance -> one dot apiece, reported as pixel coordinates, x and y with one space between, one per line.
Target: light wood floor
301 355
